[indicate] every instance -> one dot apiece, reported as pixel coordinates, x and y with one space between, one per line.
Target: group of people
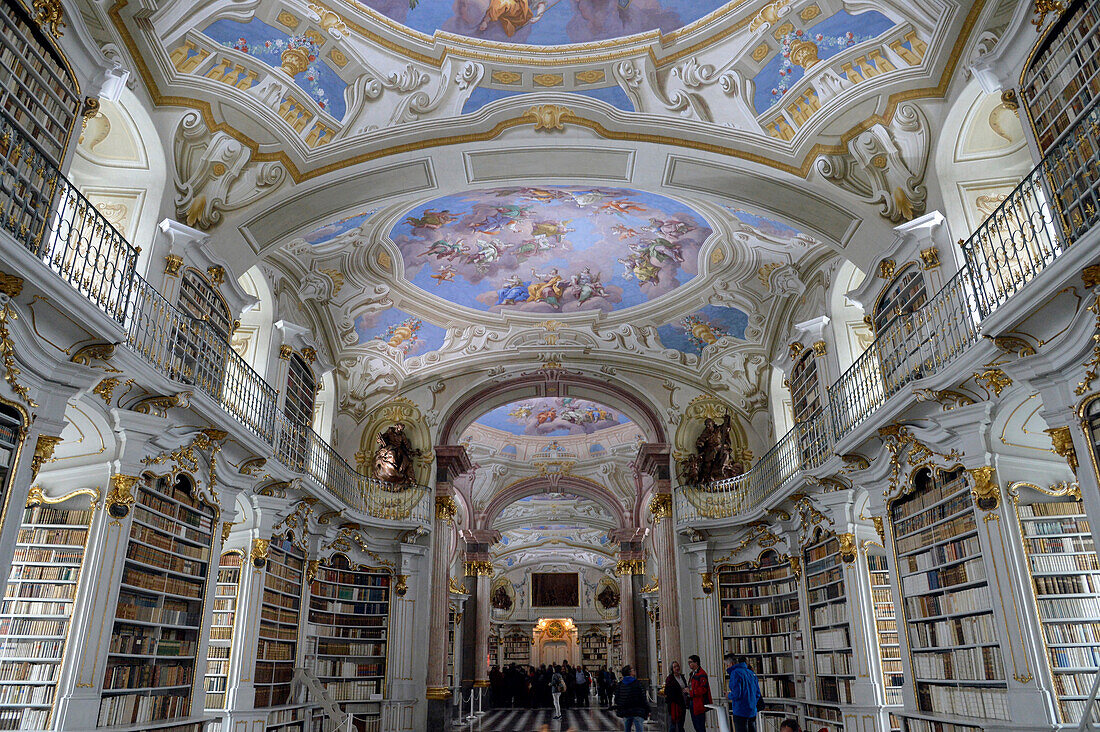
558 686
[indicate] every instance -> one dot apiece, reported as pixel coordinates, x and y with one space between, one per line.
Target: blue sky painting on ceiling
544 22
775 228
411 335
267 43
333 229
551 249
692 333
831 36
552 416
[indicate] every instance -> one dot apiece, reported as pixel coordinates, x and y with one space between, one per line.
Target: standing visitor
699 686
557 686
631 704
676 691
744 693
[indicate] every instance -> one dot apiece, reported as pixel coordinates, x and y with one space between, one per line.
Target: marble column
479 567
451 461
631 562
654 460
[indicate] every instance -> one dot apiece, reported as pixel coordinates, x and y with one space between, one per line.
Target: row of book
152 610
286 567
336 648
765 665
830 614
1054 528
133 709
764 626
939 555
56 537
1075 657
273 673
145 580
57 516
754 644
274 598
1088 632
38 648
349 669
69 557
924 725
274 651
343 613
359 690
751 591
972 570
346 578
26 626
821 551
367 631
1076 607
944 485
143 676
955 527
143 515
278 633
274 582
963 601
142 641
964 631
986 702
24 718
759 575
833 574
831 639
957 504
1068 584
34 695
759 610
349 594
188 515
27 671
277 615
1058 508
43 591
834 689
1048 559
162 539
835 664
983 663
29 607
157 558
31 573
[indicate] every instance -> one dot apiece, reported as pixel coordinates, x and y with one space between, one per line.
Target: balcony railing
1053 207
45 213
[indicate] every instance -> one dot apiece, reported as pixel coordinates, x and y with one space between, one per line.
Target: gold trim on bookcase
1015 607
803 170
37 496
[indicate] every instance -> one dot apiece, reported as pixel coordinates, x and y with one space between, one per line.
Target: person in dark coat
676 690
631 704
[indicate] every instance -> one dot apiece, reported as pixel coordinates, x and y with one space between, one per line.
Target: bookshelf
221 629
818 716
1065 574
290 719
886 626
594 649
831 636
150 671
452 627
515 647
955 656
37 607
615 648
277 644
494 642
760 616
771 714
349 610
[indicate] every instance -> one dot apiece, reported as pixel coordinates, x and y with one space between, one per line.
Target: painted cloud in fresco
554 249
552 416
411 335
695 331
330 231
544 22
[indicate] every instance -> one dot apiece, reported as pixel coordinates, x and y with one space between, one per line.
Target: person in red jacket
699 685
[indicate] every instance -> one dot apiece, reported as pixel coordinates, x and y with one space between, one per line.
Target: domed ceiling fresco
543 22
551 249
552 416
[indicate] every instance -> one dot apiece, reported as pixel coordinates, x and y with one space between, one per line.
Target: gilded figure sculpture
394 460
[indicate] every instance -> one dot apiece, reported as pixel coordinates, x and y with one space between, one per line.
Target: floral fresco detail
552 416
299 56
802 49
551 249
694 332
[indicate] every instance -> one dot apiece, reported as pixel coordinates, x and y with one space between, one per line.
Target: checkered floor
528 720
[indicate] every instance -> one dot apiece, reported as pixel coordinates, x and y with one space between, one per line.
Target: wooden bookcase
37 608
1065 574
594 650
349 611
280 616
150 671
956 657
516 648
221 629
760 617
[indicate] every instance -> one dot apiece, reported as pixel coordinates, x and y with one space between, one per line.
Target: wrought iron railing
52 220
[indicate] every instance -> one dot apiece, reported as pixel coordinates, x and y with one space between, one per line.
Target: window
301 392
37 91
903 296
1063 79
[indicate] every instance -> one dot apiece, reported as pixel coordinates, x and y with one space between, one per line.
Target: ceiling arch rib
541 485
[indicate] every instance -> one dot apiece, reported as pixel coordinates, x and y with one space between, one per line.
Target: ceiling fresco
811 46
409 334
695 331
543 22
552 416
300 56
551 249
330 231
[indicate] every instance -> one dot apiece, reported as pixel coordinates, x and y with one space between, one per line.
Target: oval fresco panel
551 249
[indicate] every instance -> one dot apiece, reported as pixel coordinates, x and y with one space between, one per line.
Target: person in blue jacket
744 694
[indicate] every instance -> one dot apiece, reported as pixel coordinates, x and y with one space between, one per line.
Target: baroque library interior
363 362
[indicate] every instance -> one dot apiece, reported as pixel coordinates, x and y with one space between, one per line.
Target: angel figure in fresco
584 199
586 285
640 268
542 195
548 415
671 228
487 253
513 291
620 207
444 249
507 216
659 250
447 274
546 287
532 247
512 14
431 219
551 229
624 232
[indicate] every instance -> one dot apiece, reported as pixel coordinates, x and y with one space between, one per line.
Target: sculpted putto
394 458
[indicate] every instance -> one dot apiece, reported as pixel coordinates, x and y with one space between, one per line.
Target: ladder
336 720
1088 714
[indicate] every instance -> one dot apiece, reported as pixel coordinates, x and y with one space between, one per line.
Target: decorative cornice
630 566
445 509
43 453
10 285
172 264
660 506
478 568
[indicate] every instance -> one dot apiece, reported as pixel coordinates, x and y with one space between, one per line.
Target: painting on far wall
555 589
